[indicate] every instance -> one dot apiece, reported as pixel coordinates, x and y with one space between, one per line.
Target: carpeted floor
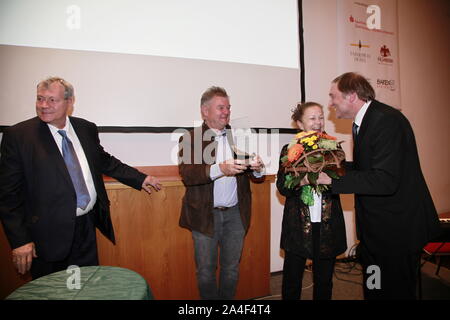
347 282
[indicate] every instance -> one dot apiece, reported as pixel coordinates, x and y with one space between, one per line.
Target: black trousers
397 275
82 253
294 266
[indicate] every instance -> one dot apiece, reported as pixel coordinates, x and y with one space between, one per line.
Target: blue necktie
74 168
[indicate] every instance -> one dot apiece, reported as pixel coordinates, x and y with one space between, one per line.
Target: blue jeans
229 237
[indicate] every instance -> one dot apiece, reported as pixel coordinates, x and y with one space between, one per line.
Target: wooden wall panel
255 262
150 241
10 280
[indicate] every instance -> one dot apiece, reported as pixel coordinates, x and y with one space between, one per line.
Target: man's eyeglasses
49 100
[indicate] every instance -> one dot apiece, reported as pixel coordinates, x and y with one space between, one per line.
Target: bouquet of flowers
309 154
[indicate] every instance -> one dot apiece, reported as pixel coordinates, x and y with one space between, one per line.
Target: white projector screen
147 62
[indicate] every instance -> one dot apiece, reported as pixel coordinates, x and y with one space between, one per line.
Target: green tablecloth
96 283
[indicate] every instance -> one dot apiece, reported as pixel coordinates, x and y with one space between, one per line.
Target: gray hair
211 93
68 88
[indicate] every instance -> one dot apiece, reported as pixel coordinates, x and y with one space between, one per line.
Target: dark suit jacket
197 206
395 213
37 197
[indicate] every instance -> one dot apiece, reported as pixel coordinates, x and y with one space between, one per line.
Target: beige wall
424 33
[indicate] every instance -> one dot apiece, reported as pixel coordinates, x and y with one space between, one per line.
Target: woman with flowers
313 224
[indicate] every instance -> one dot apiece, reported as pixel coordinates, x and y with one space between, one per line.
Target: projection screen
146 63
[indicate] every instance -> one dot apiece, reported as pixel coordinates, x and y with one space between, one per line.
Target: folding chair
437 249
432 249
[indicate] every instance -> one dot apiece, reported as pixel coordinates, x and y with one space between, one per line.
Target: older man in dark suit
52 194
395 214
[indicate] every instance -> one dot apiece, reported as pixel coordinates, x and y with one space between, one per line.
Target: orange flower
294 152
325 136
302 134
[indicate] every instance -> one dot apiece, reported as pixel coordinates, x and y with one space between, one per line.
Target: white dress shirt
225 188
315 211
360 115
81 158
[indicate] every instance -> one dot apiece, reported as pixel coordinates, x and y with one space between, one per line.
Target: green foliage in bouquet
309 154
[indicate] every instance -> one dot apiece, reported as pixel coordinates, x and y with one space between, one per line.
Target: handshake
232 167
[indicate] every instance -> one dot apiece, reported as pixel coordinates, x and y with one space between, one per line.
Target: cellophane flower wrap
311 153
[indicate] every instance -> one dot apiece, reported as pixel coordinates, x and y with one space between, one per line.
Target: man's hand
151 181
256 164
232 167
22 257
323 179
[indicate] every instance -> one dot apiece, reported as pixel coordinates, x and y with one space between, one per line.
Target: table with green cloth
95 283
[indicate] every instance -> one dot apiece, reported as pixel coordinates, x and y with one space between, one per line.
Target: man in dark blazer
395 214
47 228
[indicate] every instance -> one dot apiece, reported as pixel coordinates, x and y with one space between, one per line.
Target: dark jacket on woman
296 236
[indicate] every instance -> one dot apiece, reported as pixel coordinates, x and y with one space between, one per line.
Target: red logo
384 57
385 52
352 19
